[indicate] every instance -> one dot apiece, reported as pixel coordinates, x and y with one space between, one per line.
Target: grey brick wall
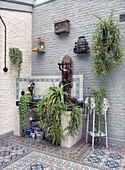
81 24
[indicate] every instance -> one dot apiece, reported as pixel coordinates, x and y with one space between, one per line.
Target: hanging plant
16 58
105 46
50 110
24 108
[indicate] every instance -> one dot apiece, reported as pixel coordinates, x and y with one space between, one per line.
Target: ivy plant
107 53
24 108
50 110
16 58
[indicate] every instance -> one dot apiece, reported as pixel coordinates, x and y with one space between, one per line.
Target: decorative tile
42 83
26 153
115 156
10 152
35 160
105 159
99 152
112 164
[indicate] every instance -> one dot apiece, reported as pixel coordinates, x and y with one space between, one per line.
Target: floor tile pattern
73 153
13 148
41 161
105 159
10 152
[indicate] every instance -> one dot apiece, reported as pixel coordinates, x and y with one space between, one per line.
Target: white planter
70 141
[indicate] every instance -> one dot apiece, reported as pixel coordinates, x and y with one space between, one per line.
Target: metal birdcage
81 46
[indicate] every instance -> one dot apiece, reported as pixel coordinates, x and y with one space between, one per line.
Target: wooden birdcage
62 26
38 45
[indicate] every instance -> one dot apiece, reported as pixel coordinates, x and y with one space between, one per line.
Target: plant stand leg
93 128
106 131
87 128
99 132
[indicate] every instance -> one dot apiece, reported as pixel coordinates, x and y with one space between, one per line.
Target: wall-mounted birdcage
62 26
81 46
38 45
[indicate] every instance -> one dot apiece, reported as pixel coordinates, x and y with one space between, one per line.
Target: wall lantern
62 26
81 46
38 45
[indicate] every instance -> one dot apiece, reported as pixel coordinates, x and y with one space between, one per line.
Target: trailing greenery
24 108
74 120
50 110
98 94
16 58
105 46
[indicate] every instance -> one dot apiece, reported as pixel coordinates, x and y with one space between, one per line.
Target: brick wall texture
82 23
19 30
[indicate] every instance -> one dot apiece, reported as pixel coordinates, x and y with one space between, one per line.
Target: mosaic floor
24 153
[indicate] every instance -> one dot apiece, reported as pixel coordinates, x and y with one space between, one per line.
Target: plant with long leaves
74 121
50 110
107 53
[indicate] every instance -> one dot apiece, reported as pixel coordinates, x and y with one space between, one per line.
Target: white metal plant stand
105 107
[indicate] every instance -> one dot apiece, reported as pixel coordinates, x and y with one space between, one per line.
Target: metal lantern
81 46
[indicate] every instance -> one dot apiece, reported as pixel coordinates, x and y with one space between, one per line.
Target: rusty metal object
5 69
66 68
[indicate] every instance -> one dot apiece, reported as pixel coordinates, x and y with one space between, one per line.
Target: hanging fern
105 46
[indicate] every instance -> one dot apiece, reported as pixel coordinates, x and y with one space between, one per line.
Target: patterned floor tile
73 153
15 150
10 152
41 161
105 159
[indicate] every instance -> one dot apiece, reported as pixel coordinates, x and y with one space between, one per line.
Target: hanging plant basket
107 53
16 58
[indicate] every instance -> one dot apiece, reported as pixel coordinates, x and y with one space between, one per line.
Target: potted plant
50 110
98 94
16 58
24 108
107 53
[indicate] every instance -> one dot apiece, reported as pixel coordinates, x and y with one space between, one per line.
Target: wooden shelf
80 51
40 50
97 134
